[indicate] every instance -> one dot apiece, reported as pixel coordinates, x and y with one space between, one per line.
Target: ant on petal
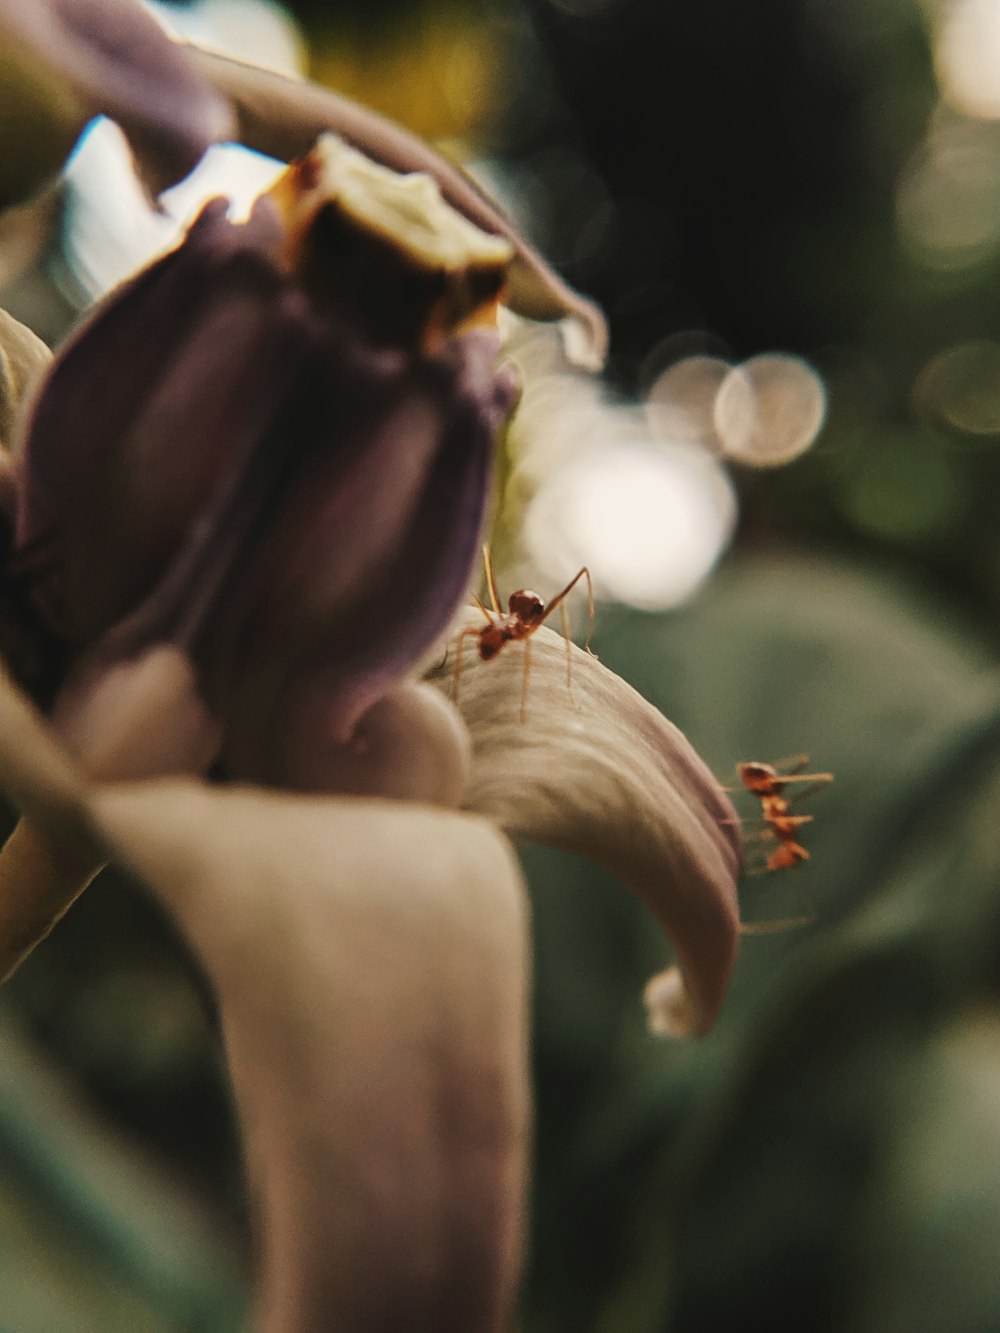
768 783
526 612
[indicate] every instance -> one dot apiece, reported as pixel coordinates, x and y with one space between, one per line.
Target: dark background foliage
723 176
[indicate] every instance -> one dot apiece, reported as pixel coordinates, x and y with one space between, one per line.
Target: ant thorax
527 606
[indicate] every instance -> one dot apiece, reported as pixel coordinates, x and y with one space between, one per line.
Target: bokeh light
769 410
441 73
903 487
960 388
650 521
680 403
110 229
967 57
948 198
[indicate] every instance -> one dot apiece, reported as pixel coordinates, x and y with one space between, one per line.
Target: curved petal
370 961
54 851
283 117
114 58
601 772
357 655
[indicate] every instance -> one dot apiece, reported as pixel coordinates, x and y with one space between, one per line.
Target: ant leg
591 610
791 763
489 618
775 927
491 582
524 680
754 864
816 780
459 645
564 617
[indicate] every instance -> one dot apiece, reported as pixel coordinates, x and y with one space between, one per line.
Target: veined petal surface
597 770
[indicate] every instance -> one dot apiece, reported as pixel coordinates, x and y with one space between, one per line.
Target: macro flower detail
596 770
282 117
242 511
259 511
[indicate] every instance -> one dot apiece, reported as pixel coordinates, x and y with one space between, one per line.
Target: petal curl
370 963
283 117
602 773
410 745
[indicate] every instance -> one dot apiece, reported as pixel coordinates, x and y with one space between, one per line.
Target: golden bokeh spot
441 75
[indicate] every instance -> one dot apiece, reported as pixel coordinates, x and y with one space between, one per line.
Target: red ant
767 783
525 613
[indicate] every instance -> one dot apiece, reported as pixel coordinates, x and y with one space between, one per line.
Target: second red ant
768 784
526 612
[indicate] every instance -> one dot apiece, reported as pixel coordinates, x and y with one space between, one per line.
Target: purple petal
219 463
140 416
118 61
430 576
413 520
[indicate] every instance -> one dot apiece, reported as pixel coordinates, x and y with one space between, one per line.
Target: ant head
756 777
527 606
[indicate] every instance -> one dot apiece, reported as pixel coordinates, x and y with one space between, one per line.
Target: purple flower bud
240 456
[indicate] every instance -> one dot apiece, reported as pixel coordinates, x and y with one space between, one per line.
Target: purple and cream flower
244 506
279 431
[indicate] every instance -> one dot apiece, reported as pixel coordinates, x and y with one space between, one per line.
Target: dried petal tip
670 1009
394 234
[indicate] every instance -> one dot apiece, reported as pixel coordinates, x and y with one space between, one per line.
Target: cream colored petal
138 717
23 360
283 117
371 965
53 852
601 772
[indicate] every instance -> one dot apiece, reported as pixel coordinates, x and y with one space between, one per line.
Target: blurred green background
733 179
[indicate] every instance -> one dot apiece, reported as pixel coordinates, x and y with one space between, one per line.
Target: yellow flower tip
455 271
